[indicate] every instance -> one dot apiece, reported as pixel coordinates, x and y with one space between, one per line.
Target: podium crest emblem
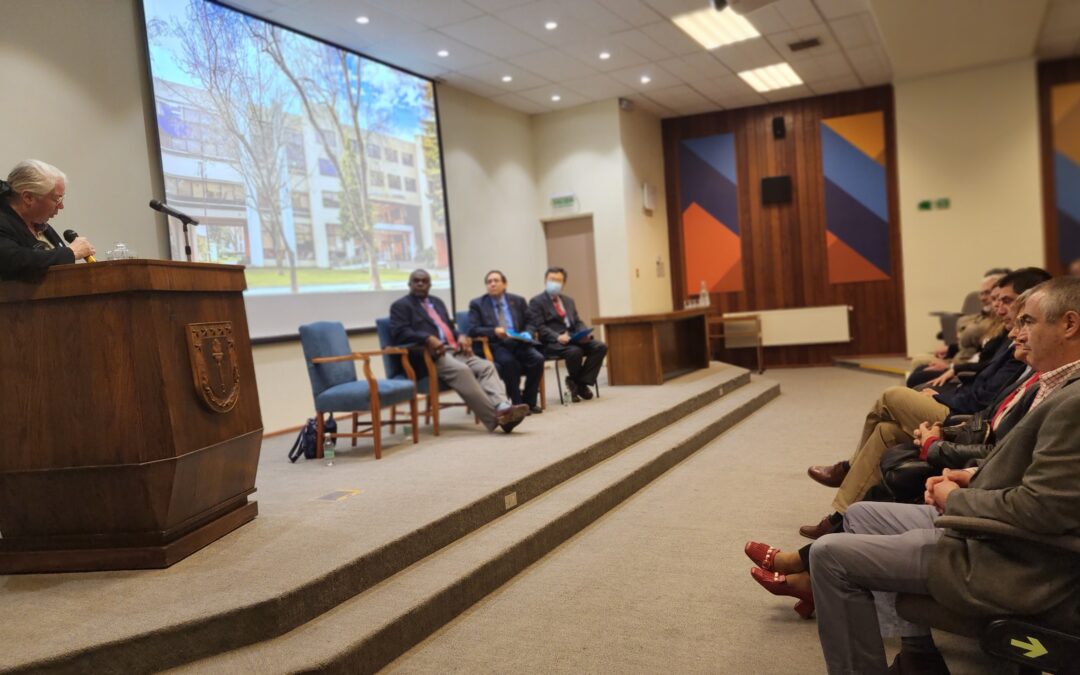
214 365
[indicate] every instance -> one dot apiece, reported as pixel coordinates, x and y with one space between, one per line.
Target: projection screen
316 168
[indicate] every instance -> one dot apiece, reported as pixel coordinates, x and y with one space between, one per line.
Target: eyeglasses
56 199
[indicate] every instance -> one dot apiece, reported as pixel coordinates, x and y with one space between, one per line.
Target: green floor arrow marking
1034 647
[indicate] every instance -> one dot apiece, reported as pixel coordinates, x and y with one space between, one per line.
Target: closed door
570 245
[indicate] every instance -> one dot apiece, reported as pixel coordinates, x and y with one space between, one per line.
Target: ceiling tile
592 14
671 8
427 45
492 74
431 13
552 64
695 68
530 18
798 13
643 102
521 104
495 5
471 85
833 9
621 55
490 35
740 100
854 31
781 42
836 84
598 87
659 78
669 36
642 44
746 56
768 20
679 95
869 62
338 25
542 96
787 93
634 12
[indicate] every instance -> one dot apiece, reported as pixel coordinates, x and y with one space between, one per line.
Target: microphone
170 211
72 235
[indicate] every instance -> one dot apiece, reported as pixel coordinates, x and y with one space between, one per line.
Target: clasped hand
938 488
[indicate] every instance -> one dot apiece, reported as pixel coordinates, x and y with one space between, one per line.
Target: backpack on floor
305 442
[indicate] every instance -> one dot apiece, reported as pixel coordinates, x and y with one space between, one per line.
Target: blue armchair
336 388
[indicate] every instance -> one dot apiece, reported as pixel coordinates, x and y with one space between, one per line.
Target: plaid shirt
1052 381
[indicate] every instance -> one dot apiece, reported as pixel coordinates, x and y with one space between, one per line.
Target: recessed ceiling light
712 29
551 25
443 53
776 76
556 98
363 20
604 56
645 79
507 78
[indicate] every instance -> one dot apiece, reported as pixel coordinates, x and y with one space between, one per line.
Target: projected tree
329 82
247 95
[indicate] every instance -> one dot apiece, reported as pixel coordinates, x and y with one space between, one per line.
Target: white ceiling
487 39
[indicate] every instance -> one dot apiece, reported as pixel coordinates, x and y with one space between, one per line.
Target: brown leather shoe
820 530
829 476
918 664
512 417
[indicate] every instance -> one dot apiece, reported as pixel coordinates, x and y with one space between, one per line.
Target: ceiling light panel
712 29
770 78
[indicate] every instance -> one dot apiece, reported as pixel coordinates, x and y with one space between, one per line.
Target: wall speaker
776 190
778 129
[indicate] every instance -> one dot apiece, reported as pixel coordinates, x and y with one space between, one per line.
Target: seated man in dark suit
492 316
555 320
421 320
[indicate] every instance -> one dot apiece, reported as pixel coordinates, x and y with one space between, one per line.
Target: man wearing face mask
554 321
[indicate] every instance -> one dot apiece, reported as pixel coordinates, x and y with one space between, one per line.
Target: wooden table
653 348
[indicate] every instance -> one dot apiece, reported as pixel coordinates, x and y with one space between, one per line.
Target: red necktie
558 307
443 328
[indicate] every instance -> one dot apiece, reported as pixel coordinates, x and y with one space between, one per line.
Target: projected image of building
203 177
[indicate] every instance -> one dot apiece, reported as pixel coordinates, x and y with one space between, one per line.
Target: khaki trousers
893 420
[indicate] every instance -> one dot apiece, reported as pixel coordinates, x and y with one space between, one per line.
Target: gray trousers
885 547
477 383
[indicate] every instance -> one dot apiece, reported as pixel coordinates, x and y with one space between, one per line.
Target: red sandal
763 555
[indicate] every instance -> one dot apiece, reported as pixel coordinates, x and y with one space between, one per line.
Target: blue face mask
553 287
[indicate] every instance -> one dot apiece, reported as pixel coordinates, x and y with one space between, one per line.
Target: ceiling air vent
804 44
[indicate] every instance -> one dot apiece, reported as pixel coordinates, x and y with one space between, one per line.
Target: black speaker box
776 190
778 128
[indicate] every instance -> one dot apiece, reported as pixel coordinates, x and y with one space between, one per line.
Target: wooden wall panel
783 246
1051 73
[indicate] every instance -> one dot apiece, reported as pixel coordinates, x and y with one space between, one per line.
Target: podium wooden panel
114 455
653 348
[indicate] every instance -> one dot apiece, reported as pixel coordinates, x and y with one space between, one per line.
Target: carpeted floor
661 583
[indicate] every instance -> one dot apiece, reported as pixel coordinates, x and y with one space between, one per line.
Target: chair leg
319 431
376 431
393 418
415 417
558 381
543 390
355 426
435 412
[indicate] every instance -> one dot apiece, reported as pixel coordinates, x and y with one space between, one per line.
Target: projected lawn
271 278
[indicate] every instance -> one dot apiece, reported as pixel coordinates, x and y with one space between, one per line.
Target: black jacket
972 397
482 319
22 256
545 322
410 326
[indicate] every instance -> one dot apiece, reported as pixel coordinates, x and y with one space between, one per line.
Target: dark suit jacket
1030 480
545 322
973 396
482 319
411 326
21 255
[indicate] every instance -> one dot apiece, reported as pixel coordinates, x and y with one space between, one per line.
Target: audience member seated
900 411
555 321
32 194
420 320
973 332
501 318
1030 480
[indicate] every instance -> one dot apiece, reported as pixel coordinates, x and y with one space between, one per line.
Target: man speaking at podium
32 194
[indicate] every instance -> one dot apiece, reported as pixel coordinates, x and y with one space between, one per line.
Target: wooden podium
652 348
130 415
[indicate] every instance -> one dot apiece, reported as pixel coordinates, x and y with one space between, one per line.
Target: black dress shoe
572 387
585 392
535 410
512 417
907 663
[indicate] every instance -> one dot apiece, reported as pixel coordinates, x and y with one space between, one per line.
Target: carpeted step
371 629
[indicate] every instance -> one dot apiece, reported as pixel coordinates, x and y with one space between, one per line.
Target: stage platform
346 567
885 365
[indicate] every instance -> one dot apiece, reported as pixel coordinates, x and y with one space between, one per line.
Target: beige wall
971 136
488 155
578 150
646 231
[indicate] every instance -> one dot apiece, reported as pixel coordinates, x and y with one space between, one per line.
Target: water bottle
703 296
329 441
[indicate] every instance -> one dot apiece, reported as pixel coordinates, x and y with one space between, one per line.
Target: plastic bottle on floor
329 441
